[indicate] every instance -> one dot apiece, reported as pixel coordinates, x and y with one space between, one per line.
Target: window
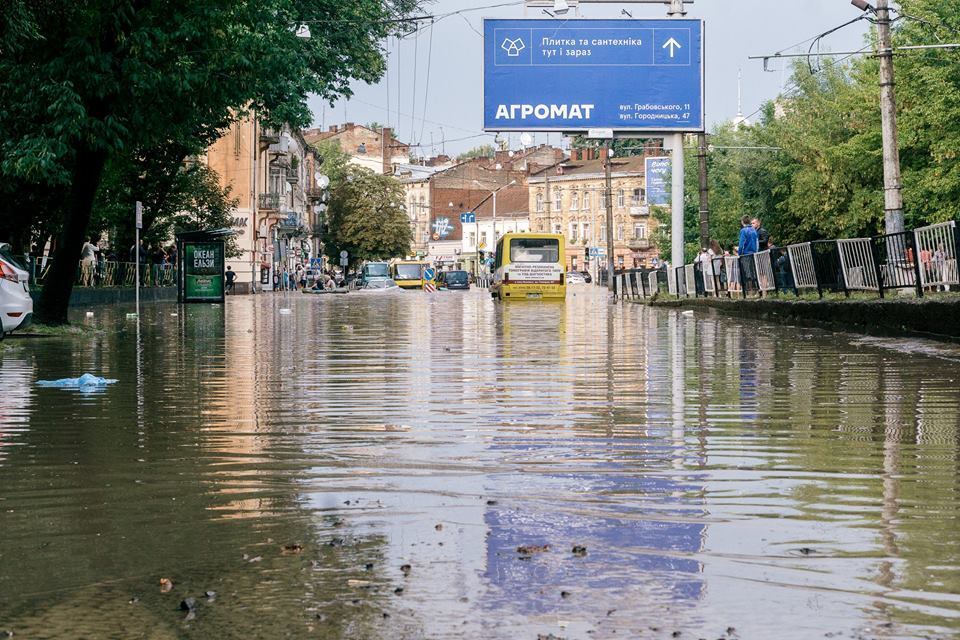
573 232
603 234
603 199
558 228
620 198
575 201
573 264
483 238
556 200
620 261
539 201
472 241
586 201
542 250
620 232
639 231
637 196
586 231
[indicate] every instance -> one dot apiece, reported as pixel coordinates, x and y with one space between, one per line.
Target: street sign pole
608 182
676 227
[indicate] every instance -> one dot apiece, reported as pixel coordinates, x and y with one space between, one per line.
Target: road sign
599 134
344 255
658 172
429 287
429 273
577 75
596 252
316 263
468 218
139 215
344 262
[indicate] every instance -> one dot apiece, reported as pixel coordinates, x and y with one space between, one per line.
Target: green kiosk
202 259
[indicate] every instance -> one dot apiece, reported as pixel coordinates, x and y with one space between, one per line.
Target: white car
575 278
16 305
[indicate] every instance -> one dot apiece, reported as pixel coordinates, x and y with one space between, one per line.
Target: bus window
546 250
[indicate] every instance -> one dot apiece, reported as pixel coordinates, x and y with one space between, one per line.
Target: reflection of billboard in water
650 545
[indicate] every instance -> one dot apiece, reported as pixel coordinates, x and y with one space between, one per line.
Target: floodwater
367 467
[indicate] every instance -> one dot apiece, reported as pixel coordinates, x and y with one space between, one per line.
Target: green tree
126 76
366 218
482 151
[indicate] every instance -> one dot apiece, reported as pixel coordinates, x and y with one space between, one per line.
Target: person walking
230 276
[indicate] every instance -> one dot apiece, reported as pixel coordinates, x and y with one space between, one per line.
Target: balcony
269 202
268 137
639 243
640 210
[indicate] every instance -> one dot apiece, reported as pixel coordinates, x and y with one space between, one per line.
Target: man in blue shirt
748 247
748 237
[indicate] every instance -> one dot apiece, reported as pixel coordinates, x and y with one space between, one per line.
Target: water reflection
782 481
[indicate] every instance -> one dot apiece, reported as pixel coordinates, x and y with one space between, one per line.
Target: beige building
271 173
376 150
569 198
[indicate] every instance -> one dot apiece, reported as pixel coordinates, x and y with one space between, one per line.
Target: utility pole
608 187
892 195
704 194
546 188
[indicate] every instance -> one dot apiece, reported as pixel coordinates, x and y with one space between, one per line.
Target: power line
426 91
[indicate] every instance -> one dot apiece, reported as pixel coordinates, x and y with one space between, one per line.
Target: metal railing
104 273
923 260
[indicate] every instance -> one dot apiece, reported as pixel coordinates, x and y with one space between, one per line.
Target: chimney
386 153
603 153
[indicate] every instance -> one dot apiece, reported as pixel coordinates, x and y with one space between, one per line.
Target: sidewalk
930 317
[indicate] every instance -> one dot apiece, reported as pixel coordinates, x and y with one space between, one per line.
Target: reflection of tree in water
99 506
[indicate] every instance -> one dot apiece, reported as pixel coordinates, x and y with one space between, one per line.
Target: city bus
408 273
529 266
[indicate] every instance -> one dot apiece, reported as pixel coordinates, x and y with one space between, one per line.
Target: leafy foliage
482 151
366 217
88 86
812 165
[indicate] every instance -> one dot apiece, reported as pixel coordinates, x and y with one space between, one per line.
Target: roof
571 170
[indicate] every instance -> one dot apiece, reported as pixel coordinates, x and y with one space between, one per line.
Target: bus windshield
376 270
544 250
407 271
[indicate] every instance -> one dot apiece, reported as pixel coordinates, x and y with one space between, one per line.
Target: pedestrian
88 260
230 276
940 266
286 279
763 237
747 247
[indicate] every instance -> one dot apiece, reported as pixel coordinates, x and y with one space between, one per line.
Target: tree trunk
58 284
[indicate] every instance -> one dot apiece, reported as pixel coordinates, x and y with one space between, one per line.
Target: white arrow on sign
673 44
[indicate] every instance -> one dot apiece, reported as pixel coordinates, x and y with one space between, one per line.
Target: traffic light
482 256
586 254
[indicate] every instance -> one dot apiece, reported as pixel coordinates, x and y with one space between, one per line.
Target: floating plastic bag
86 381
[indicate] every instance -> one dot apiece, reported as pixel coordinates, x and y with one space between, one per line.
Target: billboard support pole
676 228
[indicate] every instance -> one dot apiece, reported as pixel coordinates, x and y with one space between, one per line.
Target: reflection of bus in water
373 271
529 266
408 273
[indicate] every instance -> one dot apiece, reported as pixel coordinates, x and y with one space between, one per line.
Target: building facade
570 198
270 172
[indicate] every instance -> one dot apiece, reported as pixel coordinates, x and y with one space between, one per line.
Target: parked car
16 305
586 276
454 280
575 277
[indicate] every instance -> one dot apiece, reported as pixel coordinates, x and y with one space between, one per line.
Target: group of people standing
93 257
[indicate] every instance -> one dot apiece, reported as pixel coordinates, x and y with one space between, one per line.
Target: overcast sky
451 107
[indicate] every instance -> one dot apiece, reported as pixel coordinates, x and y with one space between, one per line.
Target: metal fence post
916 263
876 266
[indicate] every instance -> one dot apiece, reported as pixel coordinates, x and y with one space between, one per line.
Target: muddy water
725 478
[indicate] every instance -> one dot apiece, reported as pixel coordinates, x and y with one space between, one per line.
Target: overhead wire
426 91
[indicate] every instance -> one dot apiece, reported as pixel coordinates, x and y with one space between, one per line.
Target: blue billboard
574 75
659 172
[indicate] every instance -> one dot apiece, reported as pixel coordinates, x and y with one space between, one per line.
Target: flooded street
416 466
